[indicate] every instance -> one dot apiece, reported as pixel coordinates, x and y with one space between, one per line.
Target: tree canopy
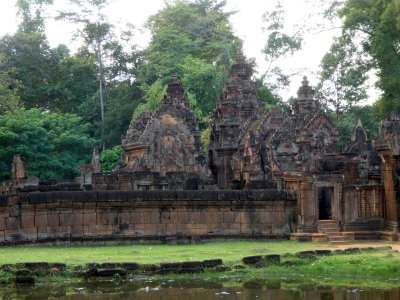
93 93
52 144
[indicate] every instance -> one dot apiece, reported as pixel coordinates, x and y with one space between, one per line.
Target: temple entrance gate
325 197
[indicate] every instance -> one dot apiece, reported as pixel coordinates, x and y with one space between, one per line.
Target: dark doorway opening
325 195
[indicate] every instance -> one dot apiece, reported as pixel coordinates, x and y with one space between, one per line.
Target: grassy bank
366 268
230 252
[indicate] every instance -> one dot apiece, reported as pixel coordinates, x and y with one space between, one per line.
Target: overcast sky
247 23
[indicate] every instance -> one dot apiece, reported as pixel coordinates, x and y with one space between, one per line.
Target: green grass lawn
368 268
230 252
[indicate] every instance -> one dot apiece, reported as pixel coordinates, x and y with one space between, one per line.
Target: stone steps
332 231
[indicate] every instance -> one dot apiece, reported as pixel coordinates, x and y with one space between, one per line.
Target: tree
95 34
78 83
51 144
377 25
9 87
343 77
116 66
203 82
279 45
187 32
110 158
35 66
346 123
30 12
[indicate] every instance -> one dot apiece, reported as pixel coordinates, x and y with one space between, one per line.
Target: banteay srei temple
266 174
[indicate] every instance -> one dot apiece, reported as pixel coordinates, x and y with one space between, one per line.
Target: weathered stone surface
323 252
191 264
170 265
37 265
25 280
90 273
238 105
162 150
130 266
210 263
58 266
22 272
149 267
248 260
111 273
109 266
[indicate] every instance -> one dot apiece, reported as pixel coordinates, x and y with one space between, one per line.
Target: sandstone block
252 259
12 223
27 221
89 219
53 220
25 280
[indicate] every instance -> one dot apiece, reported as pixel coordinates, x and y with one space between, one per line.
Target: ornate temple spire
305 102
240 58
305 92
175 89
241 70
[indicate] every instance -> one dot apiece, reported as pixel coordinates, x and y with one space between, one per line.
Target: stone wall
84 217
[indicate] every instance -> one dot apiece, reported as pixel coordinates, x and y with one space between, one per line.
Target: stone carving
354 189
20 177
167 142
238 105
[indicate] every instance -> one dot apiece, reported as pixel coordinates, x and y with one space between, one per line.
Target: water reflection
193 290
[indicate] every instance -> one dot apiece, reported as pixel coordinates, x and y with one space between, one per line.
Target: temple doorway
325 196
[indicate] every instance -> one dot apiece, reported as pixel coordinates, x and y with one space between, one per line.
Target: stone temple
267 174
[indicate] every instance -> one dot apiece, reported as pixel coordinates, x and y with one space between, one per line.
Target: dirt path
361 244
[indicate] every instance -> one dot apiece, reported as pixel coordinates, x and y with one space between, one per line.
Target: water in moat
196 290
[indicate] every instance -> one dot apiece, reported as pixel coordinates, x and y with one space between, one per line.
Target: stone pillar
391 192
18 170
307 206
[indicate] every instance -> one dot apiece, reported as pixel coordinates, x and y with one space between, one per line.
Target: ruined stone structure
268 173
162 150
238 106
144 216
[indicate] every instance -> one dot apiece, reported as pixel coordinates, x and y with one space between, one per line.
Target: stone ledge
129 196
156 239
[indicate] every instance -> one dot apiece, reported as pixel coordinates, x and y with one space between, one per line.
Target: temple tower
238 106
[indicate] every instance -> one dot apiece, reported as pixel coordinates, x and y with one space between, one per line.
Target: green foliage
35 66
51 144
139 109
154 94
204 82
279 45
30 12
265 94
9 87
122 100
193 40
78 82
110 158
345 123
343 76
376 24
206 139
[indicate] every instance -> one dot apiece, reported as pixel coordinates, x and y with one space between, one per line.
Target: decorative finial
240 59
175 89
305 81
175 79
